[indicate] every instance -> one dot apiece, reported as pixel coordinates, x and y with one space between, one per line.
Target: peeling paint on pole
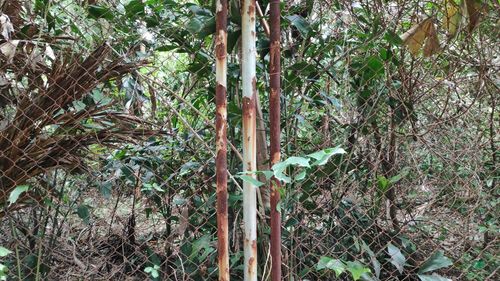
249 88
275 129
221 138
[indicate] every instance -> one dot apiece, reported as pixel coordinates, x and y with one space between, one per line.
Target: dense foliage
389 116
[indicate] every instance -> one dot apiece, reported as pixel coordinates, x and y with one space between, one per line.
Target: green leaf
301 24
14 194
396 257
153 271
279 168
135 7
79 105
97 12
393 38
383 183
436 261
251 180
324 155
404 172
197 10
201 27
333 264
433 277
4 251
357 269
84 213
105 189
267 174
300 176
375 64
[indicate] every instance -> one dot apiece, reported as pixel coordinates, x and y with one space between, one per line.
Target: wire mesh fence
389 140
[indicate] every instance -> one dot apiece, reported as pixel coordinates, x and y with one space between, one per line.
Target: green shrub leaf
333 264
14 195
436 261
397 258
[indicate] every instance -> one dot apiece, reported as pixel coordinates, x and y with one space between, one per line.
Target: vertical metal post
274 120
249 87
221 138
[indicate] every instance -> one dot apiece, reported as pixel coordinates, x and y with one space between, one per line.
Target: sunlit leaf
357 269
4 251
14 194
251 180
324 155
333 264
279 168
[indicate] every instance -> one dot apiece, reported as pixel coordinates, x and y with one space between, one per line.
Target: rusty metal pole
221 138
274 122
249 88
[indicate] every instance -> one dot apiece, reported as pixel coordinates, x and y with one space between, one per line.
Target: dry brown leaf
432 43
474 12
415 37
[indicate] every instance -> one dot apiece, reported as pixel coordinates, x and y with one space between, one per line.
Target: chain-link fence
389 140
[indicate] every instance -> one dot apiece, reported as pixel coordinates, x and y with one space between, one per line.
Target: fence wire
389 140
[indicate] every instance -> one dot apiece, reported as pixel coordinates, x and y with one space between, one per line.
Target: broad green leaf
404 172
84 213
333 264
79 105
297 161
396 257
301 24
251 180
433 277
14 194
105 189
301 175
97 12
357 269
4 251
135 8
204 243
375 65
279 168
324 155
197 10
393 38
267 174
383 183
436 261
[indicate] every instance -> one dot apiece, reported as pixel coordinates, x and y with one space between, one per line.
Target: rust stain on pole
221 138
275 129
